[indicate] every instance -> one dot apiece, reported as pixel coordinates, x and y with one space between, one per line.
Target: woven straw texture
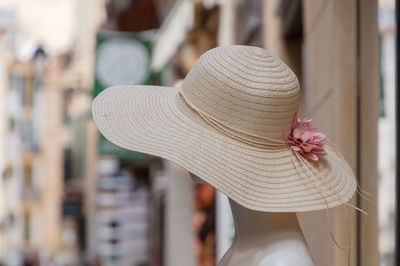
225 124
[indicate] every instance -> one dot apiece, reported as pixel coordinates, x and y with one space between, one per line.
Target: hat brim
155 120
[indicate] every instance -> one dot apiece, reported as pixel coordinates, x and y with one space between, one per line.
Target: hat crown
244 88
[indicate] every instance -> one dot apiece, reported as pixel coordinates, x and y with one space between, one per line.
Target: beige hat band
250 139
227 104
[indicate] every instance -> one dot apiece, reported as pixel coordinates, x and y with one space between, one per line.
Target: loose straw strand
333 238
324 196
362 193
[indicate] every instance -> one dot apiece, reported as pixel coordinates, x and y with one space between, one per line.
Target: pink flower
305 139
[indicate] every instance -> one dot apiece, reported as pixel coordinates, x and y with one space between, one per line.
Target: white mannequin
265 239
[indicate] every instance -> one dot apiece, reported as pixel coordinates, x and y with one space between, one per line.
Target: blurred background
70 197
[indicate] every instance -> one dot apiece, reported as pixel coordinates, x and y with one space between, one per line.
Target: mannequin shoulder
285 258
283 254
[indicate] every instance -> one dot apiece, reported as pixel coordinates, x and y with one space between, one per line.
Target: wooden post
368 90
330 98
339 67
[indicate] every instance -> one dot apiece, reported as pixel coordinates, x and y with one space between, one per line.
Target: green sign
121 59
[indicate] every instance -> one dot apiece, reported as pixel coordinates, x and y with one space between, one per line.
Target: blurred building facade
68 196
45 88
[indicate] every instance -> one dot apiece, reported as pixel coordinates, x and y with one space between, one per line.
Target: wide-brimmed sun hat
233 123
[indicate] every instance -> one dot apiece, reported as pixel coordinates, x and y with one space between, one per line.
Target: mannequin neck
265 239
254 225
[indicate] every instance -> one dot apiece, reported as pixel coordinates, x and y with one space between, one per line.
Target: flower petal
296 148
305 139
312 156
297 133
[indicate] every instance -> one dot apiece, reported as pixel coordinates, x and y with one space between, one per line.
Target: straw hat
232 122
